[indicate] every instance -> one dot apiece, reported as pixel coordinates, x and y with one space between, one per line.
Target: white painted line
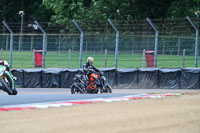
41 106
54 105
66 104
57 104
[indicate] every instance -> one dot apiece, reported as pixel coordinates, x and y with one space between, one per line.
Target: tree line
62 11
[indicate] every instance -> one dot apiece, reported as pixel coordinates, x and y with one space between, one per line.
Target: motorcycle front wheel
14 92
5 87
109 88
10 83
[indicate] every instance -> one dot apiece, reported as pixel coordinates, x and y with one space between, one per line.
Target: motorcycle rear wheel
5 87
75 90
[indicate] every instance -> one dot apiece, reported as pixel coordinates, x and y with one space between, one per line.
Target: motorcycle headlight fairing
1 72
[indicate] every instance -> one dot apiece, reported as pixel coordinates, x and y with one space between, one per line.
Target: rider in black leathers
87 67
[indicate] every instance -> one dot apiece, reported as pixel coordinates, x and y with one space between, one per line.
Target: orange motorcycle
97 83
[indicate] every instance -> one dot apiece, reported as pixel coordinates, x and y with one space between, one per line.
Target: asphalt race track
27 96
42 95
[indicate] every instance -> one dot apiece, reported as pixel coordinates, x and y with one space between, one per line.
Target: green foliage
66 10
183 8
62 11
33 9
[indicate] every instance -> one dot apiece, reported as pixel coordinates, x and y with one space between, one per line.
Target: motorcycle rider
5 63
87 67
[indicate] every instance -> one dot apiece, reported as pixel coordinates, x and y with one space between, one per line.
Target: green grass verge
60 60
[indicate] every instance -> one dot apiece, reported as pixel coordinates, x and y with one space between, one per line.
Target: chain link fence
176 43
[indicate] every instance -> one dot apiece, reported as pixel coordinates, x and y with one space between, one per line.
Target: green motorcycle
7 83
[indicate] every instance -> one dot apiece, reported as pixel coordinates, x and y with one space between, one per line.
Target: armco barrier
143 78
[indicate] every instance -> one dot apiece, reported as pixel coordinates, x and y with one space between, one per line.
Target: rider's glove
14 78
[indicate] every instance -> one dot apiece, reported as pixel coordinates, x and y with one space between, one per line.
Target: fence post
132 56
33 57
7 42
179 45
1 53
59 43
196 41
116 43
156 41
81 43
21 29
163 50
183 64
106 53
69 59
11 42
31 42
143 59
44 44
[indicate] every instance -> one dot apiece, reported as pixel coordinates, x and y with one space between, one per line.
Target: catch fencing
113 44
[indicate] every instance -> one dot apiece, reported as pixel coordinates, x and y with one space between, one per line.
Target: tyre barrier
128 78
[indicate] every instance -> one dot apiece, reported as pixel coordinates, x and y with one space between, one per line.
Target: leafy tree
66 10
34 9
61 11
183 8
9 10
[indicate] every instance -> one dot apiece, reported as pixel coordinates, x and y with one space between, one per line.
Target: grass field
125 60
